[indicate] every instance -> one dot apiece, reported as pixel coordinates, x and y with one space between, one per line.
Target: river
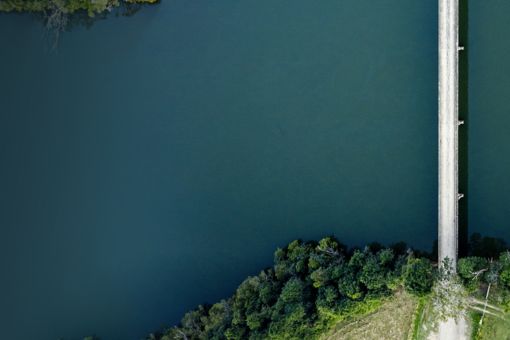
488 118
149 163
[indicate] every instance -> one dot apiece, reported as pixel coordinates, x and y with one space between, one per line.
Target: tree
290 314
349 284
218 319
418 275
311 285
192 323
324 261
471 270
251 306
449 298
327 297
373 273
293 260
491 276
504 277
57 14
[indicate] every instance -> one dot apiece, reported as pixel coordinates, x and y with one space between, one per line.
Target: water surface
152 162
488 51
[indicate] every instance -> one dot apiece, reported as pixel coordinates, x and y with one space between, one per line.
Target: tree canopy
308 283
91 7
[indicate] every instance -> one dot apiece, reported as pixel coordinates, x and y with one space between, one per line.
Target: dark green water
155 161
488 51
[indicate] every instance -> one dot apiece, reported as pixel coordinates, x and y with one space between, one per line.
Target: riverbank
50 7
323 290
314 287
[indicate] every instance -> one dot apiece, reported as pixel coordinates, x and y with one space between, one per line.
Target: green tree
471 270
327 297
290 315
373 273
324 261
292 261
310 286
217 321
504 277
192 323
251 306
418 275
349 284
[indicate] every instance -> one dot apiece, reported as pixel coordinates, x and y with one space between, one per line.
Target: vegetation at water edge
312 286
324 290
91 7
58 15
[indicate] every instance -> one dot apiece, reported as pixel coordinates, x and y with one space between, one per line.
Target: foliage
483 275
59 15
471 270
91 7
504 278
418 275
310 287
490 321
474 271
316 288
449 297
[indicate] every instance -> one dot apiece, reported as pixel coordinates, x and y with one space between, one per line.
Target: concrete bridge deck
448 128
448 148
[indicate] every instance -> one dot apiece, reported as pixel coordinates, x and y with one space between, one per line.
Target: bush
418 276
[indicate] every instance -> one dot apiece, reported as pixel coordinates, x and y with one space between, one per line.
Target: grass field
410 318
493 328
395 319
496 322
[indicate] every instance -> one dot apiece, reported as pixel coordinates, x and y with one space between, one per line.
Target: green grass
419 317
493 327
392 319
475 319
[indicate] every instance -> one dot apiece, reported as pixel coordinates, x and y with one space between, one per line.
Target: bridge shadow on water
463 130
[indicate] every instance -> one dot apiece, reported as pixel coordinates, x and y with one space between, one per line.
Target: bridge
448 129
448 221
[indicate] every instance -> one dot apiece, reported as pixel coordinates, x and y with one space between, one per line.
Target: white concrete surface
448 128
448 149
452 331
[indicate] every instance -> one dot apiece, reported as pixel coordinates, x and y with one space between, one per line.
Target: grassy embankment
407 317
401 316
496 318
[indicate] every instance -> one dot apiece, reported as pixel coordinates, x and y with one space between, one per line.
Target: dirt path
452 330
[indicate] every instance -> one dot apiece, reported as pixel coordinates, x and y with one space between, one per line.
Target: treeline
91 7
488 262
61 15
311 286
